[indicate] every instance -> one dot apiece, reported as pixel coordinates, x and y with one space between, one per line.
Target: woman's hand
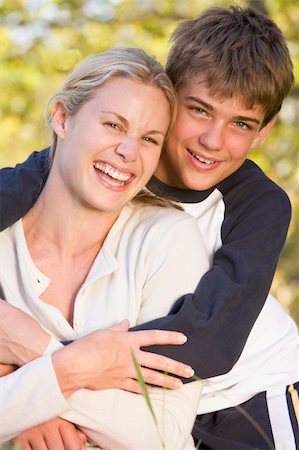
103 360
55 434
5 369
21 337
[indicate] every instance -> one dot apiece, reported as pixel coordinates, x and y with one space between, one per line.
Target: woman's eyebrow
120 117
125 122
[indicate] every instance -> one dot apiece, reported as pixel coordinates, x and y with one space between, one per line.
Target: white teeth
203 160
113 173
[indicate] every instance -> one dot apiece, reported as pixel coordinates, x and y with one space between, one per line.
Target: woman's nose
128 149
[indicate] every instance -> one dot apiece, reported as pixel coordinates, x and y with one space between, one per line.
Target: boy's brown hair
241 52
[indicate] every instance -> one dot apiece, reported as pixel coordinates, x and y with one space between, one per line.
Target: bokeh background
41 40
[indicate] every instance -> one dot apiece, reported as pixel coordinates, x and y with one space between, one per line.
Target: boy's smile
211 138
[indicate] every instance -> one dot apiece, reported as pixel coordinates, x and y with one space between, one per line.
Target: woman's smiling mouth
114 176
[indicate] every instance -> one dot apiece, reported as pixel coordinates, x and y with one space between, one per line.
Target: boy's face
211 138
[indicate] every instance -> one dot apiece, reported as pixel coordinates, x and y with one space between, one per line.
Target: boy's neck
163 174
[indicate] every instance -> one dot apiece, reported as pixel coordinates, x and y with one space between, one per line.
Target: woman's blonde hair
92 72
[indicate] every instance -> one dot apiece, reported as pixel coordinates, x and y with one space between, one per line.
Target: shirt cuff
53 345
30 395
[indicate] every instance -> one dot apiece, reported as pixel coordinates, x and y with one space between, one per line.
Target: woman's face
109 149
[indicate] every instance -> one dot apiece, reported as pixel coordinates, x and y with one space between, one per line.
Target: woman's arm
118 419
56 433
177 409
36 392
22 339
28 396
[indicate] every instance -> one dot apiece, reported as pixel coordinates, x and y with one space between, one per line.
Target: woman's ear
263 132
59 119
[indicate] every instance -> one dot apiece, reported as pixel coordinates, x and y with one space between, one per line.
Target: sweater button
79 323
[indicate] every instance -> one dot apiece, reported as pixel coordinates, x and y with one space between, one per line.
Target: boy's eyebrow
126 123
199 101
211 108
248 119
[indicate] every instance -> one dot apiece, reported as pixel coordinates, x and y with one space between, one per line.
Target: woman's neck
62 223
64 238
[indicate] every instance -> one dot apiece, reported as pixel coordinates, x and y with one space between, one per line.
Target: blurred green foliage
40 40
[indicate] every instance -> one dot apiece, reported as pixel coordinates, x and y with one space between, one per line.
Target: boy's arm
219 316
20 187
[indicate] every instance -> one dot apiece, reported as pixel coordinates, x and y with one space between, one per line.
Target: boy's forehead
216 91
197 87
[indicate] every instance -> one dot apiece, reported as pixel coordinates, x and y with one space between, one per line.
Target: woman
86 256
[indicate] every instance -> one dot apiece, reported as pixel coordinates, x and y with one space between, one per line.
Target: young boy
232 70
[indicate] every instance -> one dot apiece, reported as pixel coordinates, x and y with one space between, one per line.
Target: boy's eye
197 110
243 125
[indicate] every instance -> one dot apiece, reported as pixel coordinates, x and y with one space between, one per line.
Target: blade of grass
147 398
143 387
198 444
9 446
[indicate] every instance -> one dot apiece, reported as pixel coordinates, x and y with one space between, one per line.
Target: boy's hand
55 434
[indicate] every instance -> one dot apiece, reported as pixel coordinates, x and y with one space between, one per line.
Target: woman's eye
150 140
112 125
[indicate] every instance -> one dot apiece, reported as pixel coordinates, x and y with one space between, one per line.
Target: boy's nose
211 138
